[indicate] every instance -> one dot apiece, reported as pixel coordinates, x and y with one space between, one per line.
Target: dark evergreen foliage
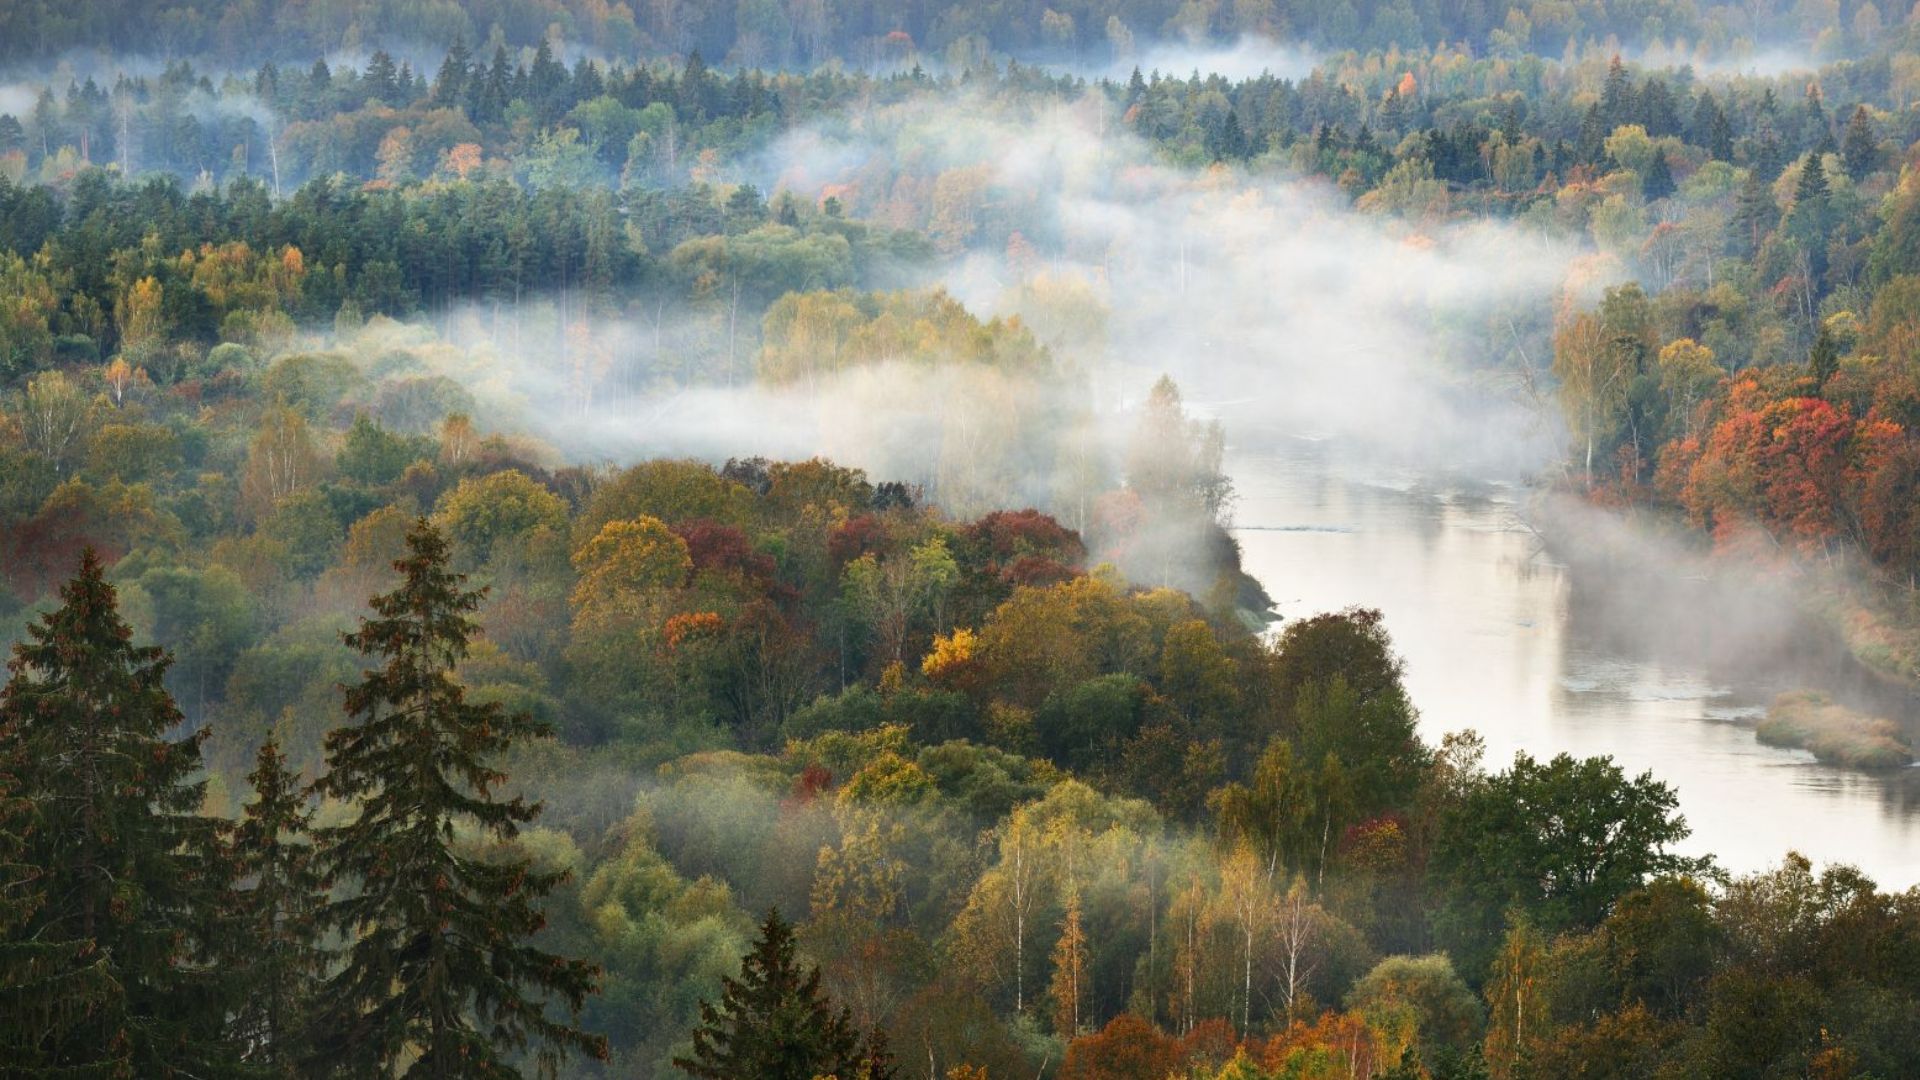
117 910
278 945
775 1023
440 974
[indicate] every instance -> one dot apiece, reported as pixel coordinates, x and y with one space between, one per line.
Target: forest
563 538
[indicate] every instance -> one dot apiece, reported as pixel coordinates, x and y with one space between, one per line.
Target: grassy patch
1809 720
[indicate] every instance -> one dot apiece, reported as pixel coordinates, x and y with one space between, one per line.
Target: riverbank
1743 602
1645 654
1881 627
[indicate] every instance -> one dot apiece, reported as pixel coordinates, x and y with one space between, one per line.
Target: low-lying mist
1269 298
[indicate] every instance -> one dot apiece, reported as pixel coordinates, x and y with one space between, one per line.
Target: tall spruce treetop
280 951
1658 183
440 976
775 1023
1860 150
120 863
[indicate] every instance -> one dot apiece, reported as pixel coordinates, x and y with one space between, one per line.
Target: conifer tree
1810 219
1860 149
1812 190
1616 95
53 994
113 904
1767 159
775 1023
1658 183
1824 358
449 86
281 954
1754 214
440 974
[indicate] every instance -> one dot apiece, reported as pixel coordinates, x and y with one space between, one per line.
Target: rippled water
1501 637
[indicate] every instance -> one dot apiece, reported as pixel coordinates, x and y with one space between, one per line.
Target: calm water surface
1504 638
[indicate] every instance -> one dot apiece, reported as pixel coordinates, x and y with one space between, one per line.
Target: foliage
439 971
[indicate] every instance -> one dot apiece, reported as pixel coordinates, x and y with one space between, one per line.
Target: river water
1502 636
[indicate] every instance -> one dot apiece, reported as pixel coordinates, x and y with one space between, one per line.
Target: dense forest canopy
807 33
677 538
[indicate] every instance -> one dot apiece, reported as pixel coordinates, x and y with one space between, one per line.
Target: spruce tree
1823 360
1616 96
1754 215
120 881
1810 219
440 974
1658 183
383 78
1815 128
450 84
1720 135
1592 146
775 1023
281 954
1813 189
54 995
1767 159
1860 150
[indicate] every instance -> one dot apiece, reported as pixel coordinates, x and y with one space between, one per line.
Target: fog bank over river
1654 668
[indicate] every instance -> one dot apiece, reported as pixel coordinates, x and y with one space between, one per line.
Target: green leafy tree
1561 841
372 455
124 877
486 514
440 978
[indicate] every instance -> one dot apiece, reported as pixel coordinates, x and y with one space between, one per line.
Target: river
1503 637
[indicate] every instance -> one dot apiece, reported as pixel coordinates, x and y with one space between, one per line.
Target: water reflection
1503 638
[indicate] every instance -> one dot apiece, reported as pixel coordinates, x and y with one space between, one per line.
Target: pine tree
440 972
1860 150
775 1023
1658 183
1233 140
488 93
450 84
546 78
383 78
1657 109
1617 95
1824 358
1593 136
1815 128
1767 160
1810 219
282 958
125 878
1754 214
1720 135
1813 188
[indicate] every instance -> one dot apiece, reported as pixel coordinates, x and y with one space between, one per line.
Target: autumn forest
786 539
